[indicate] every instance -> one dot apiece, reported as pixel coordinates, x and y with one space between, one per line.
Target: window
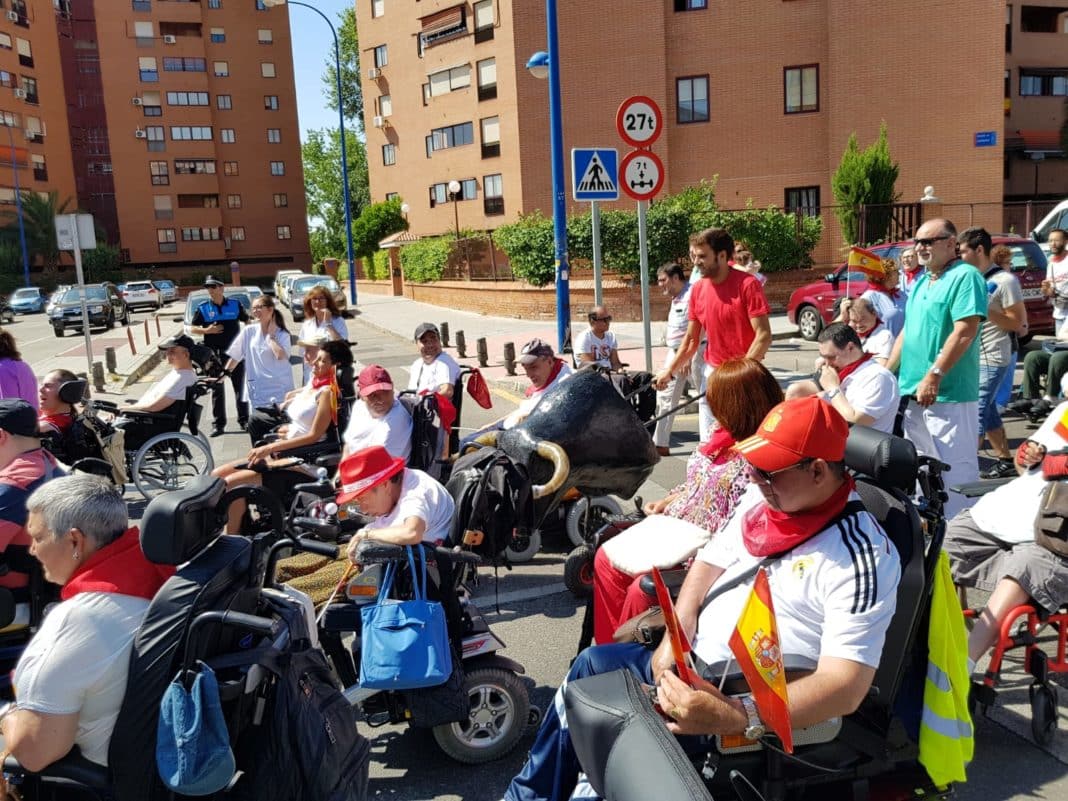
487 78
803 200
150 104
265 36
1008 30
450 136
378 8
22 46
161 204
1043 82
200 201
391 196
5 41
194 167
187 98
185 65
690 5
443 26
191 133
491 137
492 195
270 102
142 5
159 172
221 69
389 155
267 69
215 4
385 105
278 168
165 238
281 200
439 193
7 80
154 135
274 136
29 86
1044 19
449 80
801 89
691 98
230 168
381 56
224 102
200 234
233 201
144 33
237 233
282 231
40 171
147 69
483 21
218 35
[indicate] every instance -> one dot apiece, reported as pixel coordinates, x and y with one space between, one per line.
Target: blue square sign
594 173
986 138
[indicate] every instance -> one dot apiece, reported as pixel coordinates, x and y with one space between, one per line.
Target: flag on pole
755 643
865 261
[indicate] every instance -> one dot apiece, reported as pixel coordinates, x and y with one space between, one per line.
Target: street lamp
542 65
341 126
454 191
18 207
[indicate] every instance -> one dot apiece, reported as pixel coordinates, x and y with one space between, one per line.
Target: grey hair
88 503
865 304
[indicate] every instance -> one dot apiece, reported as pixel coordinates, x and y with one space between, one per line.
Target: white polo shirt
871 389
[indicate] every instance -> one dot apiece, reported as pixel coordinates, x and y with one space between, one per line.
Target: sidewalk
400 316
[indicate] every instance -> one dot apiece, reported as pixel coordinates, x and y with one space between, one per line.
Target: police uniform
230 314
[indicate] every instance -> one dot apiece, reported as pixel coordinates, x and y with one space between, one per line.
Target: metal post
110 360
595 217
509 358
81 286
18 209
461 345
444 329
483 352
643 279
556 138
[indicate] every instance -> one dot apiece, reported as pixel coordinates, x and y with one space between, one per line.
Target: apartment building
1036 99
763 95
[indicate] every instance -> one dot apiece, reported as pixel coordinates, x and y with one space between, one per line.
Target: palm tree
39 220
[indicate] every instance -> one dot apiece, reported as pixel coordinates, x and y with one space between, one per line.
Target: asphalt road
539 621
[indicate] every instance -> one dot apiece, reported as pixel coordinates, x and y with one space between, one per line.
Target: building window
274 136
378 8
484 20
265 36
691 99
195 234
389 155
487 78
278 168
439 193
29 86
221 69
492 195
233 201
40 171
162 207
154 135
237 233
144 33
218 35
187 98
159 172
150 104
267 69
215 4
1044 19
147 70
391 196
445 81
226 136
185 64
450 136
283 232
381 56
281 200
142 5
223 102
191 133
803 200
22 46
194 167
165 239
491 137
230 168
1043 82
270 102
443 26
801 89
690 5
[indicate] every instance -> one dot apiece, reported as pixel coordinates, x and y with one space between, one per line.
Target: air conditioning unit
137 101
13 16
170 39
140 134
374 73
20 94
378 121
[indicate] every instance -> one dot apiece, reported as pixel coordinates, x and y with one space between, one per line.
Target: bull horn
561 467
489 440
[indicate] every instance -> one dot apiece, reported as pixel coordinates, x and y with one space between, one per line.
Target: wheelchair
880 738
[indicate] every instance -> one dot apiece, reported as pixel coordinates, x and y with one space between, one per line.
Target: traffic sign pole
643 254
595 217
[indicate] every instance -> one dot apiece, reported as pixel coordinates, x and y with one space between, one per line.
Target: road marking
521 595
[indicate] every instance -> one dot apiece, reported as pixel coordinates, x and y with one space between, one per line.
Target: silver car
301 286
198 296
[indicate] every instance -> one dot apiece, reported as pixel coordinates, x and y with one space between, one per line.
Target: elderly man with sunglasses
598 345
938 355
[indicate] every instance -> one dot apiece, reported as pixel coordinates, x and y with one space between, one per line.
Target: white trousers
949 432
669 397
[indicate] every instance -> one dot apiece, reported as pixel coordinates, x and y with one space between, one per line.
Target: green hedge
424 260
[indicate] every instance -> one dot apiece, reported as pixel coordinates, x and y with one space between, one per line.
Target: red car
812 306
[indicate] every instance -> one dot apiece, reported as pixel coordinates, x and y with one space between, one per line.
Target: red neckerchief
329 380
849 368
864 337
718 447
893 293
766 531
118 568
558 365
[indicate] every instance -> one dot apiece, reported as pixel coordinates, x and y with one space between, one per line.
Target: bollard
98 376
483 352
129 336
109 360
147 340
159 331
461 345
444 329
509 358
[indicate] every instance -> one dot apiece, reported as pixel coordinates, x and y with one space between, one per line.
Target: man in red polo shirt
727 304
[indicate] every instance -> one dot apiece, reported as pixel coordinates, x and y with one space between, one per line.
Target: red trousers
616 598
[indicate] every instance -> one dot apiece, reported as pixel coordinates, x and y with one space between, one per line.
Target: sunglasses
606 319
926 243
765 477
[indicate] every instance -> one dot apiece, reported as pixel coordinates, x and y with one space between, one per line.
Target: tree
325 190
351 86
865 178
39 220
377 221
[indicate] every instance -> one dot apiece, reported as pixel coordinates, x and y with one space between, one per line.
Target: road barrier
461 345
509 358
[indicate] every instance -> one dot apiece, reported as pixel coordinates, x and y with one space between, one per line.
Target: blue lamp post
542 65
341 126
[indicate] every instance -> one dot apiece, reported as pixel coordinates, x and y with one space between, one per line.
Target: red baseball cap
365 470
803 428
373 378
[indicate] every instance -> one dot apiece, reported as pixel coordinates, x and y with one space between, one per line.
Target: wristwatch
831 394
755 729
938 371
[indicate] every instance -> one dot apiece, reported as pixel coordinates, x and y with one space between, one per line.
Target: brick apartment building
764 95
174 123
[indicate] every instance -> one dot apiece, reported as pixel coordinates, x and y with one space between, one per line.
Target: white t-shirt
423 497
267 377
1008 512
1057 272
301 411
834 594
678 318
526 406
310 329
173 386
393 431
879 342
871 389
600 347
425 377
78 662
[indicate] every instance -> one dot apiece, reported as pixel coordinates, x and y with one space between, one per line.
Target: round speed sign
639 121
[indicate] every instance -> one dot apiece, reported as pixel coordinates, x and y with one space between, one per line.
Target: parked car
53 299
287 286
103 303
813 306
167 289
280 278
1057 218
303 285
28 300
198 296
142 294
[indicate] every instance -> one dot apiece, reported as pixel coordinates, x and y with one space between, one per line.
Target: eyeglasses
606 319
259 308
765 477
926 243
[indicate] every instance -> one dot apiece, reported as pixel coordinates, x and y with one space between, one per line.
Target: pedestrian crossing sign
594 173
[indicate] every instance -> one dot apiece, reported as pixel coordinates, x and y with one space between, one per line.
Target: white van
1058 218
280 279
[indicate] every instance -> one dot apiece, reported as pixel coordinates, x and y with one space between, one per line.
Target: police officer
218 319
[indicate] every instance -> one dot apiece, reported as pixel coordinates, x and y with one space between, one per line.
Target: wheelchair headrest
890 460
73 391
7 607
178 525
205 359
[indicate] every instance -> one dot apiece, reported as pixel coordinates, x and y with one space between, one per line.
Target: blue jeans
990 380
1005 390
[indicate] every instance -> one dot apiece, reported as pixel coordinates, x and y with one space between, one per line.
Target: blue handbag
404 644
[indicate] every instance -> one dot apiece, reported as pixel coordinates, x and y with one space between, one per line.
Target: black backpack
492 496
642 394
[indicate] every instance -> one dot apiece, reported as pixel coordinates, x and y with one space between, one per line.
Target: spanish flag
1061 429
755 643
865 261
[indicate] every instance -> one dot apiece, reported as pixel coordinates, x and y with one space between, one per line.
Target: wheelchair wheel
1043 712
578 571
499 709
587 515
168 461
523 549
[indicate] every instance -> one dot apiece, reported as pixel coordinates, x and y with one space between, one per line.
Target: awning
442 21
1033 141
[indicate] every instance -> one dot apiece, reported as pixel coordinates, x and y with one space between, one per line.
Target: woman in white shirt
264 347
322 323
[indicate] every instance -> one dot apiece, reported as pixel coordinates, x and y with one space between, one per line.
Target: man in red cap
378 418
833 574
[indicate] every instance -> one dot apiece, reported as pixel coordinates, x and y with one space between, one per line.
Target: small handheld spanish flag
755 644
1061 429
865 261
